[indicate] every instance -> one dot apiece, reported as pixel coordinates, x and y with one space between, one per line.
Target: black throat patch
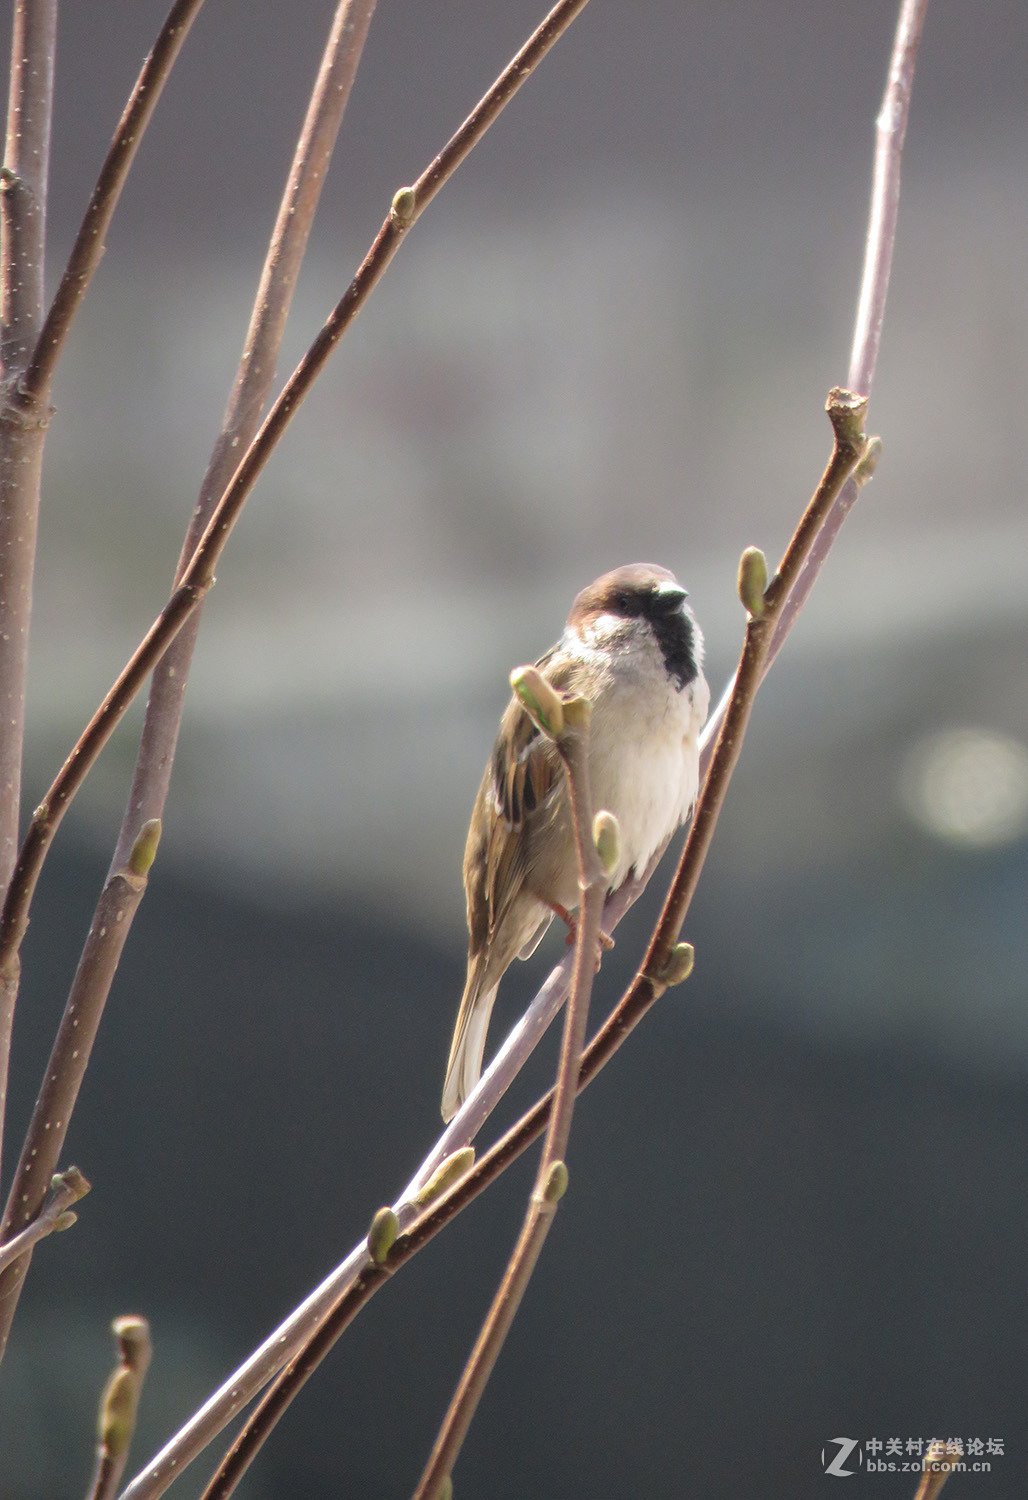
676 637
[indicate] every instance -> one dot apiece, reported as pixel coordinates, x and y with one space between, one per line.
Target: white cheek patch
604 629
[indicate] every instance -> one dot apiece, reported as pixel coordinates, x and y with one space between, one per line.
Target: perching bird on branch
632 647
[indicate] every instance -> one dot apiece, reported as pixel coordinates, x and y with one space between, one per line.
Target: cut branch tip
72 1181
539 700
847 412
578 714
752 583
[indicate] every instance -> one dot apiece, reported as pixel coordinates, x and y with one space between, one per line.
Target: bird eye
623 600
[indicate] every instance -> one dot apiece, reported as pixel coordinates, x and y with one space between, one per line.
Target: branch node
752 583
540 701
445 1175
384 1229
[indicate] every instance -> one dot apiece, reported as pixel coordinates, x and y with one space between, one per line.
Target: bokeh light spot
968 786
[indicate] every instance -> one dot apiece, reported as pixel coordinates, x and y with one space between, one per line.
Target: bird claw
604 941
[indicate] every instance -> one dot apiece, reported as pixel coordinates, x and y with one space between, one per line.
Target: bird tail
465 1064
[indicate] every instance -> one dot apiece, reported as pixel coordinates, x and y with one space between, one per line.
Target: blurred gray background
798 1197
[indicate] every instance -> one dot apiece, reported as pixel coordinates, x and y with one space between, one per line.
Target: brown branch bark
88 249
121 895
23 420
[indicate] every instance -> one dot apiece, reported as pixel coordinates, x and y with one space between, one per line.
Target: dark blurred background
798 1201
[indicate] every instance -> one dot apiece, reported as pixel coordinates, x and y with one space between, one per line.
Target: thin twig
119 1405
573 749
120 898
408 205
66 1188
939 1462
23 421
890 135
551 1179
88 249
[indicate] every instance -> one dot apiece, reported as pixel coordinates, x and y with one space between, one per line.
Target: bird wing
521 785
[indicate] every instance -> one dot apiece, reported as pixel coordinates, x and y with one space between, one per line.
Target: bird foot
604 940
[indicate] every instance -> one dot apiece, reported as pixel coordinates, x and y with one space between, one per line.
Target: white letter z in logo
835 1465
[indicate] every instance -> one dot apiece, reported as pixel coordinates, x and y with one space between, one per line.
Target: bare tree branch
198 575
88 249
126 883
552 1176
939 1462
890 135
66 1188
23 420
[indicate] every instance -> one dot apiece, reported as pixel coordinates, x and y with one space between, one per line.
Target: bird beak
668 597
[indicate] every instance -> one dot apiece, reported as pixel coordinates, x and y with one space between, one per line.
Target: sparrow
632 647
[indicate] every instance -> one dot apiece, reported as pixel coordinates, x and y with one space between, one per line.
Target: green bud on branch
679 965
868 462
539 700
753 581
556 1184
445 1490
382 1234
117 1412
607 838
65 1220
403 206
445 1174
144 850
120 1400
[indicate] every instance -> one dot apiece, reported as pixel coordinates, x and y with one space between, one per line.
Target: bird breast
643 752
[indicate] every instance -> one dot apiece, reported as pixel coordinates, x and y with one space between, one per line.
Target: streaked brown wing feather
523 774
